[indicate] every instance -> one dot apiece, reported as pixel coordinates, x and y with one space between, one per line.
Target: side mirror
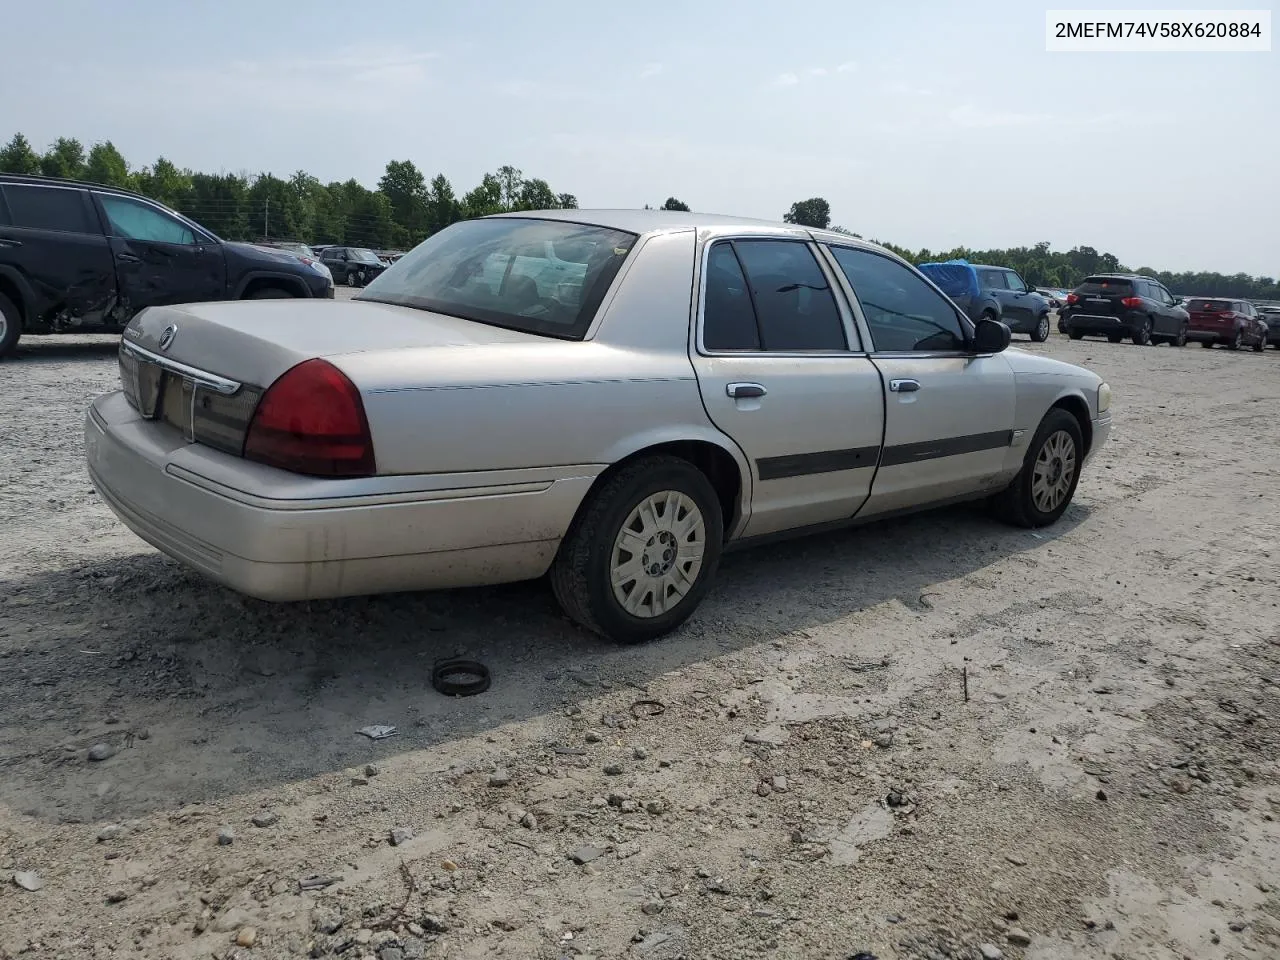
990 336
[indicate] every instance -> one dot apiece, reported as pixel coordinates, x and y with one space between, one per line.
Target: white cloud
817 71
651 70
847 67
790 79
786 80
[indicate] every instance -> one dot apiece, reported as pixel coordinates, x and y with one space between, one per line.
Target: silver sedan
611 398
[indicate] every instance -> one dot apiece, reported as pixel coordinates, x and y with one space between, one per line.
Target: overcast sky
926 124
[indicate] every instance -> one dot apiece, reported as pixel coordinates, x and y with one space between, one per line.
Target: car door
949 413
782 373
993 283
1171 317
160 259
53 249
1020 305
335 258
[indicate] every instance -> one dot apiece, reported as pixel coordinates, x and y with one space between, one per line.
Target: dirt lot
816 787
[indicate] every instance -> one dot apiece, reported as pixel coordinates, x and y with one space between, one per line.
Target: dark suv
994 293
1119 305
82 258
355 266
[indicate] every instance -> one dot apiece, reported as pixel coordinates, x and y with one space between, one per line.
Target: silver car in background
612 398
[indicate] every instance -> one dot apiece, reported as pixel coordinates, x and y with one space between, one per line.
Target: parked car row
79 257
1119 306
992 293
609 398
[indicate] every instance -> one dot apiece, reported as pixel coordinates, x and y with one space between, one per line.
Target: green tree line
405 207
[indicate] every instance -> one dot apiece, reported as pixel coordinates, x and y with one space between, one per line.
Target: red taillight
1073 298
312 421
1133 303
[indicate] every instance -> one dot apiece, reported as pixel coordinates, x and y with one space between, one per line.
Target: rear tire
1142 336
10 326
1075 334
1038 495
1041 333
1260 346
270 293
1207 344
593 557
1114 337
1181 339
1234 342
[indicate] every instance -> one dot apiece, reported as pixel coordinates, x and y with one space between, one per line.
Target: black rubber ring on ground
444 670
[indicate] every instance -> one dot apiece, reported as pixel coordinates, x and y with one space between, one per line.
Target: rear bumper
1210 335
451 531
1096 324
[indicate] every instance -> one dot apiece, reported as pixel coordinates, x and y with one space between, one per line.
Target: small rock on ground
265 819
101 751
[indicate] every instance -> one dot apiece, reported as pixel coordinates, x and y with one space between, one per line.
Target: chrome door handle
745 391
904 386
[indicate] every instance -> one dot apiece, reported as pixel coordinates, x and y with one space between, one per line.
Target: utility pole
266 221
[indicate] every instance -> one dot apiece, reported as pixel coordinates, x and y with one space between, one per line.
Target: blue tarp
955 278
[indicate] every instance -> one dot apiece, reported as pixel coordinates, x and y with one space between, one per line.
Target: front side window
903 312
361 255
469 270
1015 282
48 208
139 221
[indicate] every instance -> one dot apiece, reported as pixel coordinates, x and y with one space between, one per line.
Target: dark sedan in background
354 266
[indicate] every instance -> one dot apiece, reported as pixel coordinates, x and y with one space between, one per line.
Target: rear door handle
745 391
128 258
904 386
6 242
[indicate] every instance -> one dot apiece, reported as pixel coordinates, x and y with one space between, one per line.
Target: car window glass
795 308
48 208
728 319
903 312
1015 282
138 221
992 280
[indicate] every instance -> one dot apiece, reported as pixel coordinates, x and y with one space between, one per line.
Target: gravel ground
815 784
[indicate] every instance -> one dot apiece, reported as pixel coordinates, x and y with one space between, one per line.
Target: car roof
64 182
674 221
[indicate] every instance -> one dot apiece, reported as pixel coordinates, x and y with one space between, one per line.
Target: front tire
1181 339
641 553
1260 346
1234 342
355 278
1207 344
10 326
1043 488
1041 333
1075 335
270 293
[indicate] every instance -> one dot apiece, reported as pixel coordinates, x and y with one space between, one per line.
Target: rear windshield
540 276
1105 285
953 279
1210 306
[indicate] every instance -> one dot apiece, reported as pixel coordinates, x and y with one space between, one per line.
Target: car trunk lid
202 368
1211 314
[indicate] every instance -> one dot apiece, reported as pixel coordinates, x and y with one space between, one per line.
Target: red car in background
1233 323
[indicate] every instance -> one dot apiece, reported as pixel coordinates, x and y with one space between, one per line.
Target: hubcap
1044 328
1055 468
657 554
4 326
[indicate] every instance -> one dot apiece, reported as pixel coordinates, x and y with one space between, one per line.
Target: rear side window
903 312
795 308
1096 285
728 319
992 280
48 208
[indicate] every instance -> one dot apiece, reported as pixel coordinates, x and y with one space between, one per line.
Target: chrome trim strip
211 380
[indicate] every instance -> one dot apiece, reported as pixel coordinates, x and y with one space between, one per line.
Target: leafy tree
536 195
107 166
64 159
220 202
814 212
847 232
674 204
485 199
163 181
406 189
443 207
567 201
18 157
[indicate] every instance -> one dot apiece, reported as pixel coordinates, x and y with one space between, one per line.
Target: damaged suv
83 258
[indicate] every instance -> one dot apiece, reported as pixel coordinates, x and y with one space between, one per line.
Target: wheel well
10 290
716 463
262 283
1080 410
